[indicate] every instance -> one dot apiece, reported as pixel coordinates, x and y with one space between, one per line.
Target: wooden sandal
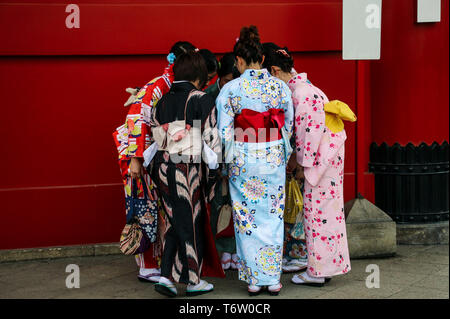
165 289
200 290
306 282
253 293
276 291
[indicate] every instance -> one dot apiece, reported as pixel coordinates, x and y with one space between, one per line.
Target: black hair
277 56
227 65
249 46
190 67
210 59
181 47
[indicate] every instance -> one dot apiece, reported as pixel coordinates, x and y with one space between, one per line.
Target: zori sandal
226 261
168 290
254 290
201 288
152 277
226 264
304 279
234 262
274 290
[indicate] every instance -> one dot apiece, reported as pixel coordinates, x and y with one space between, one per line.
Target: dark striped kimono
181 189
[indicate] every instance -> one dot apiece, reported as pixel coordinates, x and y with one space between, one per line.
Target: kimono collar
298 78
218 83
180 86
168 75
169 70
252 74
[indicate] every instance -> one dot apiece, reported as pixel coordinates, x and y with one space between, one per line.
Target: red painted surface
410 100
63 90
140 27
58 116
364 180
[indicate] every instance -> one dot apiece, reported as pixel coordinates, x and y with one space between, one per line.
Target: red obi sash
256 127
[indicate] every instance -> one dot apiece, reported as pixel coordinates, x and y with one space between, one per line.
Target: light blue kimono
257 175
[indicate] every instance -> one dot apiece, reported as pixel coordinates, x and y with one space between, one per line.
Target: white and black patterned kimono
180 186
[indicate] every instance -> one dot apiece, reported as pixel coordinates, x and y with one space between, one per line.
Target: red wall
410 99
61 184
63 91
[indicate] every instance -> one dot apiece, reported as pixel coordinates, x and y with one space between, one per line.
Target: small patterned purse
145 210
133 240
142 221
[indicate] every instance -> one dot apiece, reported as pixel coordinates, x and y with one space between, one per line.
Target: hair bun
249 34
249 46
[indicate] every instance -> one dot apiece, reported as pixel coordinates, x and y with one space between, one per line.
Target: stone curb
59 252
423 234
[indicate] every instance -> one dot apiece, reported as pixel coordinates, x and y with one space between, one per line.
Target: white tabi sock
203 285
308 278
148 271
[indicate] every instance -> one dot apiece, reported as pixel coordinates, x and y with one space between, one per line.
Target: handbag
142 219
225 223
179 138
145 210
294 201
294 209
133 240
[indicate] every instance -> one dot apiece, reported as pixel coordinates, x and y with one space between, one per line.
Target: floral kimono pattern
133 138
321 153
257 174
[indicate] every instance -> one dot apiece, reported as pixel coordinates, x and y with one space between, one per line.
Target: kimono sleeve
287 129
210 134
212 151
309 124
225 120
139 117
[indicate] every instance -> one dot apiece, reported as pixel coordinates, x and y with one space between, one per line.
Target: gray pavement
415 272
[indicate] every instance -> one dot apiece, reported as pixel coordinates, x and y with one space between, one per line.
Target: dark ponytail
277 56
249 46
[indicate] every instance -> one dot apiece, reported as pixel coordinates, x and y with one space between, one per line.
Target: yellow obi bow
335 112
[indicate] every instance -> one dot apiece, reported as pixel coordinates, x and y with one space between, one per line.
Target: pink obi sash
256 127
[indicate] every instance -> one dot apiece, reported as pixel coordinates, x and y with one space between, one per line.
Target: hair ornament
171 58
196 50
283 52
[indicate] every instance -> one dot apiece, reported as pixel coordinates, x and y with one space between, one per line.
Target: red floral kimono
132 139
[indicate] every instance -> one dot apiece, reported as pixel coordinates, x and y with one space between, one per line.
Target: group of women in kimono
233 144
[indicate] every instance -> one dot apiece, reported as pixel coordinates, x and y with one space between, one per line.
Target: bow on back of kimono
336 112
250 119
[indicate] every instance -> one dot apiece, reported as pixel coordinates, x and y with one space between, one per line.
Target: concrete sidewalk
416 272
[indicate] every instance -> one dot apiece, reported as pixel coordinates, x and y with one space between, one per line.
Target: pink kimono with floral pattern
321 153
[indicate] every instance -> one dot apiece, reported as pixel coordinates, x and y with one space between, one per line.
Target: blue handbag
144 210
